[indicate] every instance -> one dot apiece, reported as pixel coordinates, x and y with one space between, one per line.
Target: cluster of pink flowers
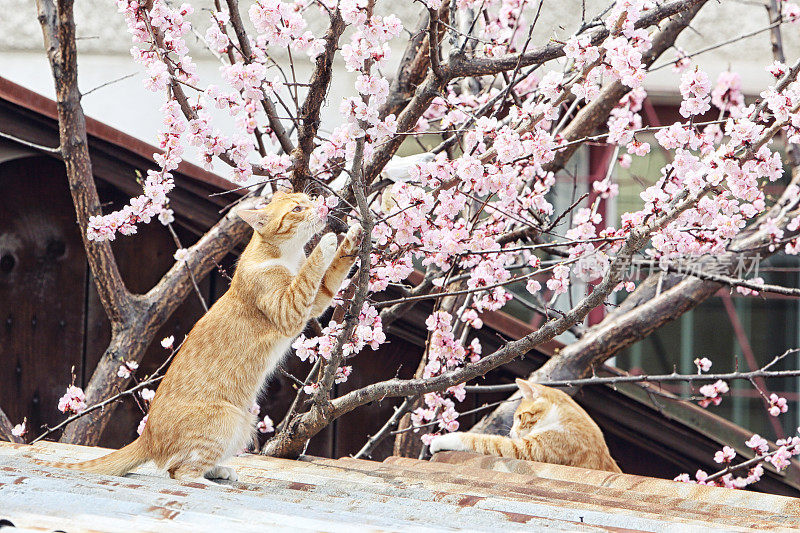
158 183
787 448
695 87
779 458
726 455
445 353
147 394
324 204
281 24
370 40
500 31
126 369
790 11
73 401
713 393
368 332
727 94
142 424
702 364
777 405
625 117
559 283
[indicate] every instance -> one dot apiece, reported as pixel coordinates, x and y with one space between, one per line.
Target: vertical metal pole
687 349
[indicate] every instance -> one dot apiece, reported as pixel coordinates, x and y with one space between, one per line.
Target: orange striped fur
200 414
549 427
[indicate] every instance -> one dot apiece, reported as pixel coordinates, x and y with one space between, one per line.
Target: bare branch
39 147
762 372
386 429
736 282
58 28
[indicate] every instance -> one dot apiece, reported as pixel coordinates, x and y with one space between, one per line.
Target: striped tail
116 463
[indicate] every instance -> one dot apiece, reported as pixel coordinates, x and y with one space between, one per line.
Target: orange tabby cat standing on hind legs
200 415
549 427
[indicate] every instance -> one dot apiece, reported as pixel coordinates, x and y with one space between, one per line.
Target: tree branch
58 28
762 372
386 429
309 113
267 103
466 67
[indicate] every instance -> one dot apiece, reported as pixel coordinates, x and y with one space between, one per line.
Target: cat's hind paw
327 245
222 472
448 441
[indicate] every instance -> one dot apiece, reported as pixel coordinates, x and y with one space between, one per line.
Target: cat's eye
298 208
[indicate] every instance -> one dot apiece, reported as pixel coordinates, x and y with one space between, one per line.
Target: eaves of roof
116 156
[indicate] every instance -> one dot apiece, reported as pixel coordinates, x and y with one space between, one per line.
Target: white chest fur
292 257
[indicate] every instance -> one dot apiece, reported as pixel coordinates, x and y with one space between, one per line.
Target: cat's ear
527 389
255 217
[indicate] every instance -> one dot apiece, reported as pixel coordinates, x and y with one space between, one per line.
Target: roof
115 155
457 491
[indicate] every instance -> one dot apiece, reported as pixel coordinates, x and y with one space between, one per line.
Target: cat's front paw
352 237
327 245
448 441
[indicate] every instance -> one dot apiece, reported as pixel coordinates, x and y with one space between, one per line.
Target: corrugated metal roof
355 495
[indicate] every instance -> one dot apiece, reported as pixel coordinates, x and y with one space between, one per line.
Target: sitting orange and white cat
200 415
549 427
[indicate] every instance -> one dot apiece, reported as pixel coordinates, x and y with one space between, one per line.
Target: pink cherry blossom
73 401
19 430
725 455
777 405
758 443
703 364
126 369
713 393
265 425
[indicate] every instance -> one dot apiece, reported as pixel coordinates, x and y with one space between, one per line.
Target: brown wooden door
43 277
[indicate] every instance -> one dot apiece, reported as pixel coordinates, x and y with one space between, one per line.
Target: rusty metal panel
729 501
37 495
355 495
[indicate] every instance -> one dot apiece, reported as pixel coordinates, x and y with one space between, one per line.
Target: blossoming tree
472 212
